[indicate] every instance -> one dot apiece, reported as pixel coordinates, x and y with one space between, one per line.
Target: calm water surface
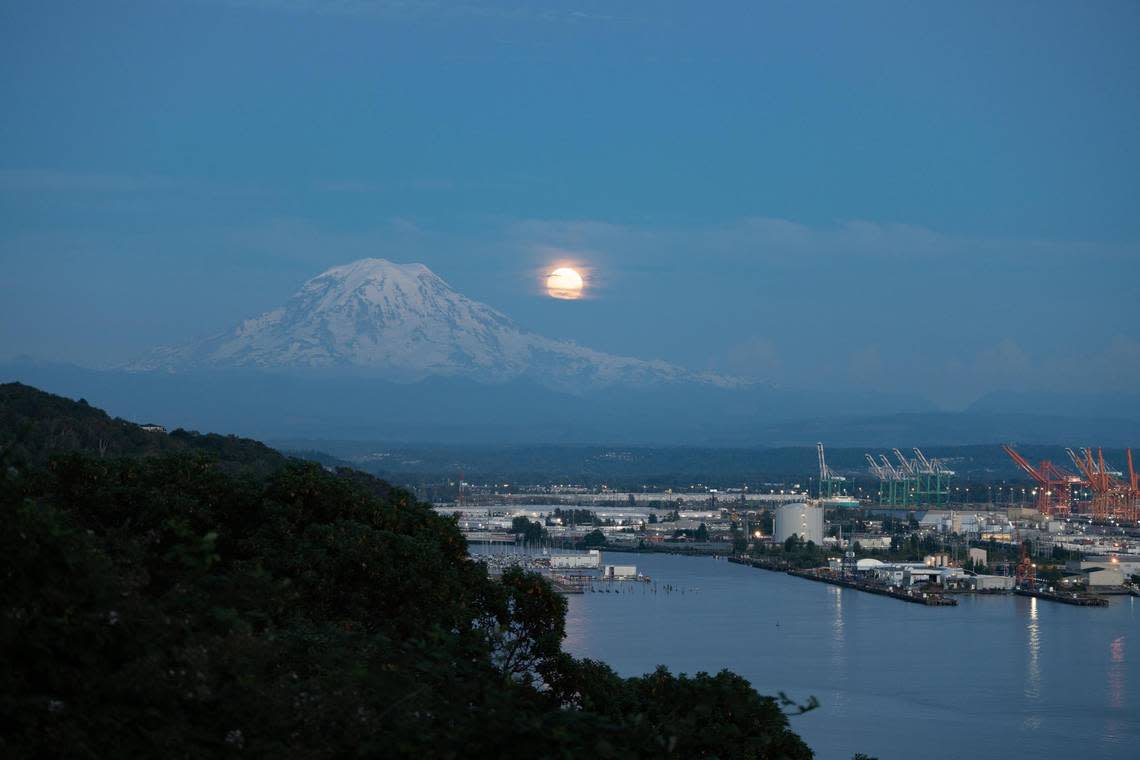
995 677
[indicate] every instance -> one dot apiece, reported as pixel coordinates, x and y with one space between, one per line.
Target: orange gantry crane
1054 496
1113 498
1133 478
1133 491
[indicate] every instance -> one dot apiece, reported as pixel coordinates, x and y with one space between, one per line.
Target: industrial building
1100 571
803 520
869 541
962 523
1109 575
1128 565
991 582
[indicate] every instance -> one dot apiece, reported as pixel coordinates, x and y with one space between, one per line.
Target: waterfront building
591 560
619 572
908 573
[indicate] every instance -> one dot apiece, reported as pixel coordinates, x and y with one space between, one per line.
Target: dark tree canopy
594 538
205 601
532 532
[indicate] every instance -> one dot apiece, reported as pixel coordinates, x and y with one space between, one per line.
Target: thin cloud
358 186
48 180
416 9
763 238
756 359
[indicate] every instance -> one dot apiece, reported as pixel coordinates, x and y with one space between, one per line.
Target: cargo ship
839 502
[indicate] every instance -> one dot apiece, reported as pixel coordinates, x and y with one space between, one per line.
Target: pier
915 597
823 576
569 584
930 599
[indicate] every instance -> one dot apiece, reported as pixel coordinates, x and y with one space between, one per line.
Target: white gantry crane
830 484
906 466
825 472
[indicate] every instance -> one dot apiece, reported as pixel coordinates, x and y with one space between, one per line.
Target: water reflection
838 652
1116 673
837 622
1033 670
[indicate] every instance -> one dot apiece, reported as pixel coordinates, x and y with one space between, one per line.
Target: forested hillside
201 596
35 426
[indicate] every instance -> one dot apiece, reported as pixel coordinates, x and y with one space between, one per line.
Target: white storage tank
798 519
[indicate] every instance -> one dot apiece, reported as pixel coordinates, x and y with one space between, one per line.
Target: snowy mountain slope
402 321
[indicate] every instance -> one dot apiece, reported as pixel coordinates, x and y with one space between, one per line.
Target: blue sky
937 198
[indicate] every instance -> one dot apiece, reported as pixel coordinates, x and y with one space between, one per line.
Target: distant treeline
667 467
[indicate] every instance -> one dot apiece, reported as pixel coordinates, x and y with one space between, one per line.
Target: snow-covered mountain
402 321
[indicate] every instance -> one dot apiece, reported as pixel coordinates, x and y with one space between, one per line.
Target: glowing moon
564 283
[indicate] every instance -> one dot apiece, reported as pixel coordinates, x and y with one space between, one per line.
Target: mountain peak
374 279
373 268
402 321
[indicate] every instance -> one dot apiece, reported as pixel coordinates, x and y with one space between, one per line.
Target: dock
1078 600
569 584
775 565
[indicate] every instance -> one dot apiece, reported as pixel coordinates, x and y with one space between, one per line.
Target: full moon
564 283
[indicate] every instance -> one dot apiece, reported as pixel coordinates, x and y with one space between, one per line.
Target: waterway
995 677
